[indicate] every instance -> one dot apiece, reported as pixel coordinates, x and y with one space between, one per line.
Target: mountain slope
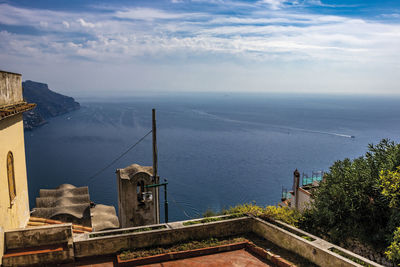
49 104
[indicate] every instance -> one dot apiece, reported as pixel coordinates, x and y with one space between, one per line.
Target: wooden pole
155 166
154 144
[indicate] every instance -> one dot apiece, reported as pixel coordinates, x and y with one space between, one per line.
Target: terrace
220 239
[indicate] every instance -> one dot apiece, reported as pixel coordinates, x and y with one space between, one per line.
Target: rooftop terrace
265 242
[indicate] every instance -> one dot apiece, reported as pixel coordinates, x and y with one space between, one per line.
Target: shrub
390 184
285 214
349 203
393 251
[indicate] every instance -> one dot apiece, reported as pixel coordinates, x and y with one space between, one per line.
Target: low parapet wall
174 233
285 236
38 236
315 249
39 246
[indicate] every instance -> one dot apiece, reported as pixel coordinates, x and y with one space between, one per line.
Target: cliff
49 104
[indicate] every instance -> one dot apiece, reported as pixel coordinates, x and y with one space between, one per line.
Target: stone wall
368 252
317 251
42 246
111 242
174 233
10 88
133 209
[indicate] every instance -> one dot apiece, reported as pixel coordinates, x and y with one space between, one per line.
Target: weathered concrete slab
316 251
31 246
38 236
86 247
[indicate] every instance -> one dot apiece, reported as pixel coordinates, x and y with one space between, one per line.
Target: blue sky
122 47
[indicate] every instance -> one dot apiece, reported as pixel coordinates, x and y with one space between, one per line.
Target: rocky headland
49 104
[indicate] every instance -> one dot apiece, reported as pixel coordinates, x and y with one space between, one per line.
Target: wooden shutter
11 176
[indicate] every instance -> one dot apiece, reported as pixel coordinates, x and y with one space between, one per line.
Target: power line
181 208
119 157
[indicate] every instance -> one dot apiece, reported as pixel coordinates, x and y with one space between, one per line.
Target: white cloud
148 14
83 23
259 36
66 24
393 15
43 24
274 4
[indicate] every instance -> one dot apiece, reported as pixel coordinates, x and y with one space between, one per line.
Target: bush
284 214
349 202
390 184
393 251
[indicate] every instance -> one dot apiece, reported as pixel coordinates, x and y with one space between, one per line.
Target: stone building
301 195
14 202
137 205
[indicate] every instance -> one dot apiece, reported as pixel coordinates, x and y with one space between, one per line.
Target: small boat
352 136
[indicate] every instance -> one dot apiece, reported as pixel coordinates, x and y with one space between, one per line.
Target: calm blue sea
215 150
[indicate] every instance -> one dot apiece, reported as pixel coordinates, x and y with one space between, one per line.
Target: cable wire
118 158
181 208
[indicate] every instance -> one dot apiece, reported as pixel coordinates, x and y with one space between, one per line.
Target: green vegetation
343 254
284 214
390 183
393 251
212 242
214 219
189 245
306 237
359 200
143 229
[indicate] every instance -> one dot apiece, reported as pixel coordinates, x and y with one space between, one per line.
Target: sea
215 150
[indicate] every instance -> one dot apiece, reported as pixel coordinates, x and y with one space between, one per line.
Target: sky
128 48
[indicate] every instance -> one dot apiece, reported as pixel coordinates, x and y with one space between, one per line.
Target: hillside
49 104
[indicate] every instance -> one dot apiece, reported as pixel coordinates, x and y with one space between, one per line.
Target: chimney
296 185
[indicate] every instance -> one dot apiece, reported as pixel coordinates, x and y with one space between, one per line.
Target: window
11 177
140 190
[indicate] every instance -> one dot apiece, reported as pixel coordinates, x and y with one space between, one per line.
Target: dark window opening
139 191
11 177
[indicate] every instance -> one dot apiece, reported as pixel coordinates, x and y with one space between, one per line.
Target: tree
390 184
349 202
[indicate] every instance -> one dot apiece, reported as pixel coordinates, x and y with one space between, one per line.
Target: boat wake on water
216 117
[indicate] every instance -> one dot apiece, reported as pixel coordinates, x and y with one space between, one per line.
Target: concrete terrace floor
238 258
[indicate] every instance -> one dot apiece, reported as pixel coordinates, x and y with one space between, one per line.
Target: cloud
44 24
125 36
284 34
393 15
148 14
66 24
274 4
86 24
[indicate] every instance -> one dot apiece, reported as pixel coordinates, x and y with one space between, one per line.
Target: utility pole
155 166
165 196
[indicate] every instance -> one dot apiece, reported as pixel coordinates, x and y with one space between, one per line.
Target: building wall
304 199
10 88
131 211
17 214
12 139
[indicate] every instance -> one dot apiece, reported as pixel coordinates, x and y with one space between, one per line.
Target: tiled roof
68 203
11 110
77 229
